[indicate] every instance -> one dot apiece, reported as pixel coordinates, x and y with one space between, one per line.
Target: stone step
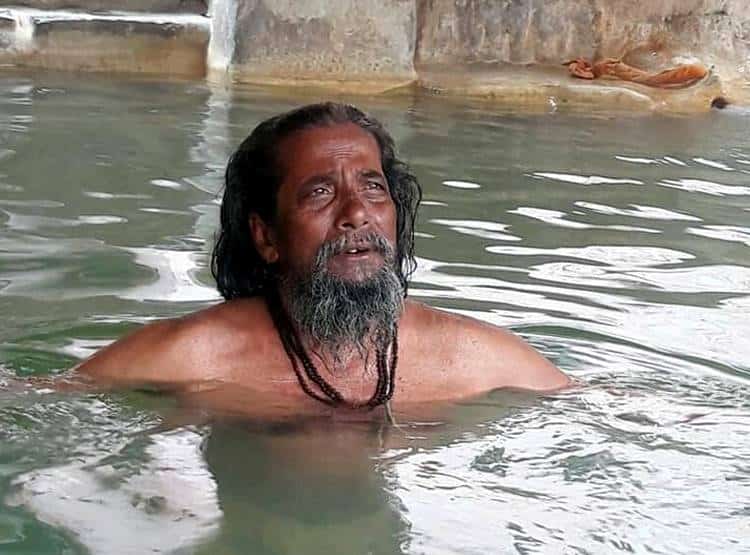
154 6
165 43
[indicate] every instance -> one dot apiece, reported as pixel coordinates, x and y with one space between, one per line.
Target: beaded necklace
309 374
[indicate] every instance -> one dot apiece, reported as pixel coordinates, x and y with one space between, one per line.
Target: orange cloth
675 78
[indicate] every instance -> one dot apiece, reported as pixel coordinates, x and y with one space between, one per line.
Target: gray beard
340 316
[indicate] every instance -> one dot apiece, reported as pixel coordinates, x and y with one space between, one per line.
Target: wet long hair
252 183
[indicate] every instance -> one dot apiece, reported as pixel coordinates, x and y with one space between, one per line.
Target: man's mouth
356 257
356 260
357 250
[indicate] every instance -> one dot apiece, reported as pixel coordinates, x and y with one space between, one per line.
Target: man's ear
264 239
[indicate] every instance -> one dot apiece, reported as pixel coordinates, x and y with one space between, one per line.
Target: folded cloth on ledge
678 77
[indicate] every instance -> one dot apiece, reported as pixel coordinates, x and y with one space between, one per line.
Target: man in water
313 258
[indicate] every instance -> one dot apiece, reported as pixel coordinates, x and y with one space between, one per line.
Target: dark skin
230 357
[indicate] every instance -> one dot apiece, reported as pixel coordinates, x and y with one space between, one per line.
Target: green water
618 245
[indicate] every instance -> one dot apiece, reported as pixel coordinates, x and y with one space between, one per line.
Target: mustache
356 240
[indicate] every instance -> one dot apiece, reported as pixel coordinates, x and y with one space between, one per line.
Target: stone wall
715 31
518 32
552 31
324 40
483 47
499 43
509 49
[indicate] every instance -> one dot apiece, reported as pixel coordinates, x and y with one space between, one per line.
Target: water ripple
638 211
636 160
703 186
586 179
675 161
713 164
461 184
622 257
485 230
557 218
723 232
534 462
167 183
28 222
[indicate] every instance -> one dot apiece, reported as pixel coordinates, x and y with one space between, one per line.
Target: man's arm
481 356
499 358
520 366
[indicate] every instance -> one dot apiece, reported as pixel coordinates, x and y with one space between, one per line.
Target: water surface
618 245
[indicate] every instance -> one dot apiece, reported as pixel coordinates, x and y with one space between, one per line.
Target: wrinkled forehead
321 149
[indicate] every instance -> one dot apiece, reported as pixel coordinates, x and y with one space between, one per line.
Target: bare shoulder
193 348
225 327
487 356
229 317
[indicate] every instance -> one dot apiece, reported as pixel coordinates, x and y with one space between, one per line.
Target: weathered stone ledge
362 85
534 88
549 88
155 43
153 6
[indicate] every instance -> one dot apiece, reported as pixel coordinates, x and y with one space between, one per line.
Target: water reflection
311 492
175 277
299 488
171 500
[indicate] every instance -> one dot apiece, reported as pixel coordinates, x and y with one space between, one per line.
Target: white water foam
223 14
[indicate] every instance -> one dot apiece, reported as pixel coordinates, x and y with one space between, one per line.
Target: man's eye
375 185
319 191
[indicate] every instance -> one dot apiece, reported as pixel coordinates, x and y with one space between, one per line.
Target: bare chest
266 373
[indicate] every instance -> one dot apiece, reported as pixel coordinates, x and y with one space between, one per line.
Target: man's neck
346 360
309 355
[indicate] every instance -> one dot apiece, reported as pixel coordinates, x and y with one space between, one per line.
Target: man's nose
353 213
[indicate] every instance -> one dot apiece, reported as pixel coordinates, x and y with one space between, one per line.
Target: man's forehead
316 147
